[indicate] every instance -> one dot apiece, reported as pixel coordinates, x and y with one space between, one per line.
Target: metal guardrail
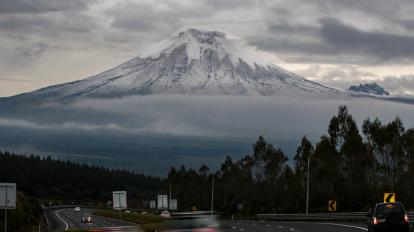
349 216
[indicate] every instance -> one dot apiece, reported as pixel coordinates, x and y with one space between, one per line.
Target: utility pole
5 218
307 187
212 196
169 202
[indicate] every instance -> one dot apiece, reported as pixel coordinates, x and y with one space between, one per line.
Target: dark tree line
63 182
353 168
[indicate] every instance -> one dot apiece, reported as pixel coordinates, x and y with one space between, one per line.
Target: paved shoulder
258 226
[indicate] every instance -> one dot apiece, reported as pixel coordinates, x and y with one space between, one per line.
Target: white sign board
119 200
162 202
7 195
152 204
173 204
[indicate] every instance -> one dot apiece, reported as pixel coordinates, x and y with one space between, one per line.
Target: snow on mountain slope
193 62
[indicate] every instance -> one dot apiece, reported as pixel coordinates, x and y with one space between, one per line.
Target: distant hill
371 88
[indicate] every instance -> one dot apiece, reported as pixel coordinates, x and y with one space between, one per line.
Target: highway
267 226
68 218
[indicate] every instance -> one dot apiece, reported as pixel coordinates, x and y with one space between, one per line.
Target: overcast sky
335 42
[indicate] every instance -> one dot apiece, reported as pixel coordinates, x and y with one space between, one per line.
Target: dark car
388 217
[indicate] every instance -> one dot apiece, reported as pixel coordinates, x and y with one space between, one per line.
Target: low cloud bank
152 133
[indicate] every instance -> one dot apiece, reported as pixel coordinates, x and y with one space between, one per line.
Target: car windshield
387 209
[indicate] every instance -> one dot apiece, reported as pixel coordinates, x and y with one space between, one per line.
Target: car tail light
374 221
406 220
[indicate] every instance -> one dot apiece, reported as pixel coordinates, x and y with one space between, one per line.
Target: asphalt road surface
67 219
266 226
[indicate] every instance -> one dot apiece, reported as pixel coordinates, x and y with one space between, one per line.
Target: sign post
162 202
389 197
7 199
119 201
152 204
173 205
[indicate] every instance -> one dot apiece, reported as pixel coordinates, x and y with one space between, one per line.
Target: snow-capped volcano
193 62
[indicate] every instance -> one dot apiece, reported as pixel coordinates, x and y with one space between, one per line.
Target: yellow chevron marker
332 205
389 197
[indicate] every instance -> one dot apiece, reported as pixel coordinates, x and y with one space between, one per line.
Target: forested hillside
61 182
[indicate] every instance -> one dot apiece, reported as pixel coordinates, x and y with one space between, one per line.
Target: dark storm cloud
47 25
134 17
289 38
40 6
34 51
334 42
408 24
348 39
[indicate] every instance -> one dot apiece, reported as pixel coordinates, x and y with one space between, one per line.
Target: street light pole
169 202
307 187
212 196
5 218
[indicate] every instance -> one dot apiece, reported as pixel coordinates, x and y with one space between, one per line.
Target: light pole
169 202
307 187
212 196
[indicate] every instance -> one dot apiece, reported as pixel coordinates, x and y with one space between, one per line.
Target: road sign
7 195
119 200
153 204
173 204
389 197
162 201
332 205
7 199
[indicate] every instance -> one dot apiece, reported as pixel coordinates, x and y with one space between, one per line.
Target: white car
165 213
86 219
77 209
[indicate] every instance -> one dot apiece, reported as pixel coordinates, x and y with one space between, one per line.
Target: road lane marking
344 225
57 215
325 223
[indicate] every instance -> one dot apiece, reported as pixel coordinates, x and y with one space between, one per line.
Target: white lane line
57 215
344 225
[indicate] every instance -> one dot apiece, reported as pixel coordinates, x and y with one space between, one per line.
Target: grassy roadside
148 222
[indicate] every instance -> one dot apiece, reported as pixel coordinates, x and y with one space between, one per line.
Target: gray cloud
34 51
335 42
398 84
346 75
348 39
40 6
158 129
